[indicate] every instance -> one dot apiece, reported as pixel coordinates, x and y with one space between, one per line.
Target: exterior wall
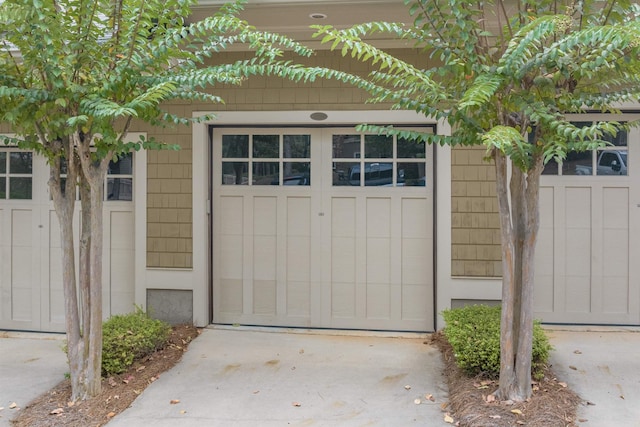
169 208
475 225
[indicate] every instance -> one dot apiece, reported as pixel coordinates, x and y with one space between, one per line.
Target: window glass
20 162
3 188
235 173
346 173
296 146
122 166
20 188
266 173
266 146
296 173
3 162
235 146
578 163
346 146
378 174
120 189
378 146
613 162
411 149
551 168
411 174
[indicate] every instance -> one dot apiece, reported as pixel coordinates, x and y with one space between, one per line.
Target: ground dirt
54 407
471 404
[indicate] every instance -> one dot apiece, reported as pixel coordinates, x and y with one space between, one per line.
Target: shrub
128 337
474 335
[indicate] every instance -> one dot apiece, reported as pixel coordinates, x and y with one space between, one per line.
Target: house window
266 159
119 182
16 171
387 161
607 161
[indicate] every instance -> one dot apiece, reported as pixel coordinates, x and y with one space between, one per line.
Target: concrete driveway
253 378
30 364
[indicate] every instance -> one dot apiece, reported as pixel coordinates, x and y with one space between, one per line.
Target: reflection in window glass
411 149
620 140
378 146
19 188
411 174
235 146
20 162
376 174
266 173
578 163
266 146
296 146
3 162
235 173
346 146
120 189
3 187
612 162
296 173
346 173
122 166
550 168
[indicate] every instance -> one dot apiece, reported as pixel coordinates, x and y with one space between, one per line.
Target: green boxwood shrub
474 335
128 337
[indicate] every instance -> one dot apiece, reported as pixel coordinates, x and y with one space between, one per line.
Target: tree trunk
519 222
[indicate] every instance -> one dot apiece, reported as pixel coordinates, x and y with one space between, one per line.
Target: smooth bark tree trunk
518 207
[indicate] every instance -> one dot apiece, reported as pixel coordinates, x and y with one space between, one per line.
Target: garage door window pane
296 147
3 188
19 188
235 146
266 173
612 163
410 149
296 173
346 173
235 173
578 163
266 146
346 146
411 174
378 146
377 174
20 162
3 162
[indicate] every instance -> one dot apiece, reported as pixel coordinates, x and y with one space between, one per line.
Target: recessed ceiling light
317 15
318 116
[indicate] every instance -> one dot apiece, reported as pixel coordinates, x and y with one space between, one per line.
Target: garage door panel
298 216
231 296
343 259
615 207
265 216
264 296
578 251
298 299
378 217
578 207
578 294
378 265
412 306
231 209
414 270
264 257
298 263
343 300
415 218
378 301
615 295
343 216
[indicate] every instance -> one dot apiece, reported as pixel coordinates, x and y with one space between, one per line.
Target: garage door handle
322 213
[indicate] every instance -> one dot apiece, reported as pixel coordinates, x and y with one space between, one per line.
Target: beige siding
475 227
169 218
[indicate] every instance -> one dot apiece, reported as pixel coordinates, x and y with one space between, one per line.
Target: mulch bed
54 407
470 401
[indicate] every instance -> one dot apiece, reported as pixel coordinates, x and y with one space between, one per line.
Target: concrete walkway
30 364
250 378
602 365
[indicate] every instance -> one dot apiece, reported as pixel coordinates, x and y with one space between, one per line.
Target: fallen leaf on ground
577 352
495 417
573 367
516 411
174 401
622 397
13 405
256 391
562 384
589 403
448 419
407 387
296 404
111 414
141 368
490 398
301 351
183 412
1 408
112 382
70 404
57 411
417 401
430 397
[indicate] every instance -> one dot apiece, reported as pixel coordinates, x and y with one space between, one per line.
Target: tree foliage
505 76
75 74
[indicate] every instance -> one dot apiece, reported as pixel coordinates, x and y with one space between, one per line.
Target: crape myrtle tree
506 74
74 76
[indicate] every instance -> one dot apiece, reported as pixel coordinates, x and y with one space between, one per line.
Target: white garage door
31 295
302 237
587 268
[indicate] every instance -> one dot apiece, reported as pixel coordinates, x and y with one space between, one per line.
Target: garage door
31 293
587 260
324 228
